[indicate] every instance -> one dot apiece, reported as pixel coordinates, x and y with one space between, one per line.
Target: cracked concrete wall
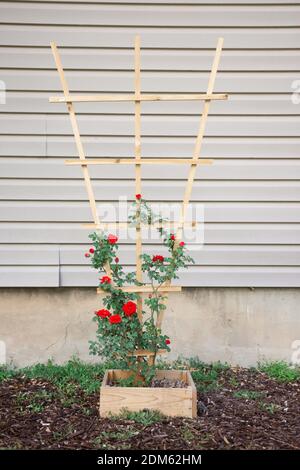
237 325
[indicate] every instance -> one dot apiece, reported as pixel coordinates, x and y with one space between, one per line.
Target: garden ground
56 407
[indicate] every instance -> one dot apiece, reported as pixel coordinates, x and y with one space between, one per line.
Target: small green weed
269 407
144 417
280 371
247 394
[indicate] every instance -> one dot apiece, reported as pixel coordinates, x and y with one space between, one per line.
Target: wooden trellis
138 161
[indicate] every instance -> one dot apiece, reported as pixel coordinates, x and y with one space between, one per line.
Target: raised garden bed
172 393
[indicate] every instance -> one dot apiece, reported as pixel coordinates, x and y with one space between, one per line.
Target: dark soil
168 383
244 410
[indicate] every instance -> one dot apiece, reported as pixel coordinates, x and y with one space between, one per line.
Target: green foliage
270 408
247 394
33 402
206 377
145 417
119 332
86 376
6 373
280 371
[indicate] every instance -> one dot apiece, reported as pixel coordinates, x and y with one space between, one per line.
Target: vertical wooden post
138 169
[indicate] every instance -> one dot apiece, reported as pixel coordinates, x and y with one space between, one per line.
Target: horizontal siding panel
279 234
154 37
64 190
19 255
247 255
220 169
151 125
222 147
29 276
123 59
148 15
227 255
154 82
241 104
181 2
213 212
204 276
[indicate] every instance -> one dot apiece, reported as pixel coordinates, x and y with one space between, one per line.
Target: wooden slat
145 289
142 97
128 225
138 169
146 352
147 161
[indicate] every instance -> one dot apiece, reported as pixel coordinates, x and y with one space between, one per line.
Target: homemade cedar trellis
137 98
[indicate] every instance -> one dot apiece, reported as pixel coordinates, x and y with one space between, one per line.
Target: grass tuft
144 417
280 371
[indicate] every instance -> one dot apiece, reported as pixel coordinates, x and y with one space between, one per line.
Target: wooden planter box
169 401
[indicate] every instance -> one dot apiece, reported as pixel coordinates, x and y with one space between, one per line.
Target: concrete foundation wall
237 325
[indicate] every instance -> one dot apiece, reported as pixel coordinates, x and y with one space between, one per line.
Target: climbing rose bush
120 333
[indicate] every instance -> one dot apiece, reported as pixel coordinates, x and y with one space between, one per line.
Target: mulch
248 410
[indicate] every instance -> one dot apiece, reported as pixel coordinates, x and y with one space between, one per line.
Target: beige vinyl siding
251 194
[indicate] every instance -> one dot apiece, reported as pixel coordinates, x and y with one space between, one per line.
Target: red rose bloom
172 237
103 313
87 255
158 258
115 319
129 308
105 280
91 250
181 243
112 239
138 196
117 260
168 341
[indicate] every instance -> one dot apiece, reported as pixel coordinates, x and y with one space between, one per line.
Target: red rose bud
91 250
158 258
172 237
129 308
103 313
168 341
181 244
138 196
87 255
115 319
105 280
117 260
112 239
